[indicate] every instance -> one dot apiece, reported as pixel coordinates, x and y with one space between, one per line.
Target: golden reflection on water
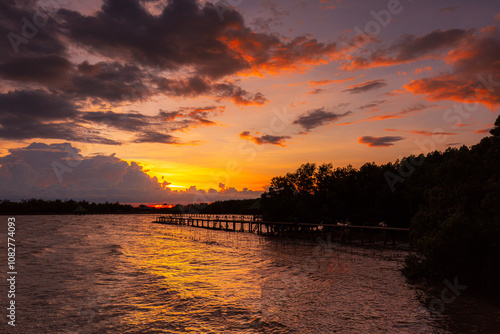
215 270
203 271
122 274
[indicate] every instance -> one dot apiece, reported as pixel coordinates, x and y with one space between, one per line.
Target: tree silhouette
450 199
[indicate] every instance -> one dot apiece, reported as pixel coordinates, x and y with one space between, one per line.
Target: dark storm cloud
366 86
189 87
184 34
379 141
238 95
186 43
266 139
64 131
178 48
156 137
114 82
122 121
110 81
317 117
39 114
188 118
197 85
155 129
189 34
35 104
410 48
50 70
137 122
38 42
106 81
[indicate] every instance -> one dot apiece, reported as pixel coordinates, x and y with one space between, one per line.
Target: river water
123 274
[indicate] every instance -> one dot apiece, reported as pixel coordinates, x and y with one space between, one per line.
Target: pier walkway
254 224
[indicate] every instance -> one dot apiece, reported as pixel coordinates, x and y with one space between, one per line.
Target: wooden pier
254 224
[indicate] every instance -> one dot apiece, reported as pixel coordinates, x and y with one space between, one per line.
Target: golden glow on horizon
162 206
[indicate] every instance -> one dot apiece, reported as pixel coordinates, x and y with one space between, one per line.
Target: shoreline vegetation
450 200
35 206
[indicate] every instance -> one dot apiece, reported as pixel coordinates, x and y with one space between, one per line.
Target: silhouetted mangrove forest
450 200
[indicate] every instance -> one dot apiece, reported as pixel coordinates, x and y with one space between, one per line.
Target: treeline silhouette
237 207
450 200
39 206
244 206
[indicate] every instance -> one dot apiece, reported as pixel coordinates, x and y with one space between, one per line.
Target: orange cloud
486 129
430 133
409 49
458 89
423 69
382 117
267 54
475 75
424 132
327 82
395 92
328 4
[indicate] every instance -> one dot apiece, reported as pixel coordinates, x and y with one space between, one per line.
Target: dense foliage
450 199
244 206
315 194
457 229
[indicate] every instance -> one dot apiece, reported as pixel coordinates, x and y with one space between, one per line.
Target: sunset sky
144 101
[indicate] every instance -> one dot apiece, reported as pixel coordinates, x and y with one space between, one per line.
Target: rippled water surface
123 274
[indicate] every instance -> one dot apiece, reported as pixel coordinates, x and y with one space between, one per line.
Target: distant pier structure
346 233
